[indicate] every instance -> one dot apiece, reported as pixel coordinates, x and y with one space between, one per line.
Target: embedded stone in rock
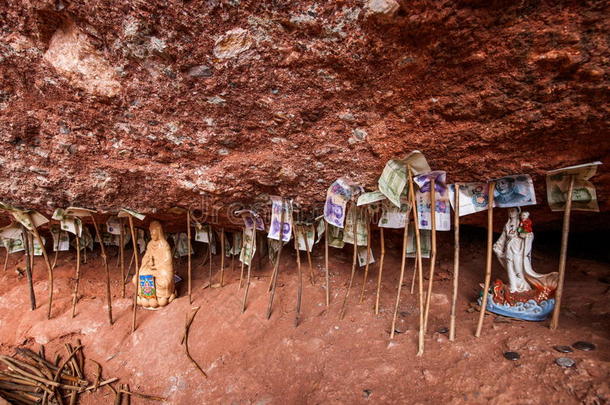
232 43
563 349
584 346
73 56
200 71
565 362
512 356
382 7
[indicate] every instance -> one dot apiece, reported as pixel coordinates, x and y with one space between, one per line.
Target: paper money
236 245
181 244
361 230
393 181
13 245
113 225
335 237
251 218
61 240
248 247
361 253
337 196
12 231
370 198
393 216
273 247
474 197
301 231
124 212
86 241
279 204
203 233
418 163
425 240
28 218
320 229
37 248
442 205
514 191
584 195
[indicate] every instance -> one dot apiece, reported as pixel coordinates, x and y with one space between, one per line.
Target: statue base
528 311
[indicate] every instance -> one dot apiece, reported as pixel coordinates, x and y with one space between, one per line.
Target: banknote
320 229
133 213
236 245
28 218
417 162
425 240
61 240
442 206
370 198
361 229
181 244
37 248
301 231
273 246
251 218
279 204
86 241
337 196
12 231
514 191
203 233
335 236
393 216
73 225
248 246
13 245
584 195
361 253
473 197
393 181
113 226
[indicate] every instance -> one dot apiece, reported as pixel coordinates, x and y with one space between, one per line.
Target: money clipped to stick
248 247
514 191
393 216
442 212
279 204
425 241
61 240
319 228
362 256
338 195
361 234
335 237
584 195
309 232
474 197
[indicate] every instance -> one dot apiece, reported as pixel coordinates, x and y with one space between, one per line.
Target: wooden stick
28 265
85 255
326 270
6 260
354 260
122 256
241 272
188 251
490 234
368 252
243 306
46 260
143 396
420 269
55 259
105 260
565 231
311 271
403 261
414 276
456 260
128 267
382 239
300 276
432 251
222 257
210 254
76 277
187 325
277 262
137 270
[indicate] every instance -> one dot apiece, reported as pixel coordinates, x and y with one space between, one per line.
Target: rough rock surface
153 104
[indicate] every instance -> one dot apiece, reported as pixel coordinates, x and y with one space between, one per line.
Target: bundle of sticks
32 379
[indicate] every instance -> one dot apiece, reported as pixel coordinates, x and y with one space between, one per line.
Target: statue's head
525 215
513 212
156 231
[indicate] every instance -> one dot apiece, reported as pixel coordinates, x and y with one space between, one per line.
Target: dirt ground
252 360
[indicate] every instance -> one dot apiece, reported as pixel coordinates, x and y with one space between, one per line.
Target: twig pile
32 379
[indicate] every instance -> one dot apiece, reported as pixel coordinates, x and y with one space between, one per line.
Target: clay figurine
529 295
156 285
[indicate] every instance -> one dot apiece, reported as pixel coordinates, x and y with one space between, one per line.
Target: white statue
514 248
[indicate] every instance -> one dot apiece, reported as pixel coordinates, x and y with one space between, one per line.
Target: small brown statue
156 284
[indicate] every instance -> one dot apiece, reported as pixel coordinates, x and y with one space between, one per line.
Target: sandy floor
325 360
